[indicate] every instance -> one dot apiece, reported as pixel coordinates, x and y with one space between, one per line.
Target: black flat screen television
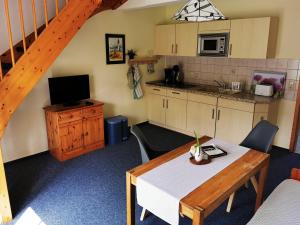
69 90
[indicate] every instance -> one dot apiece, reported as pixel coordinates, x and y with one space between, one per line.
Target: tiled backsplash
206 69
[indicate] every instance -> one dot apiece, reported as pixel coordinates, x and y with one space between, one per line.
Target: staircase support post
5 210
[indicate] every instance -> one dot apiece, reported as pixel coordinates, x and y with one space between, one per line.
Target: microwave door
210 45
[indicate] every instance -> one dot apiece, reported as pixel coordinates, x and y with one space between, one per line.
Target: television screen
69 90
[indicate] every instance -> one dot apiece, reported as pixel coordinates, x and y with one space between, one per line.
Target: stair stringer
20 80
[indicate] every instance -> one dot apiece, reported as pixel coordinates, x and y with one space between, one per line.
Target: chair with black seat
148 152
260 138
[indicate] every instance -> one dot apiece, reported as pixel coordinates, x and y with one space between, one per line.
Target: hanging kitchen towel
134 81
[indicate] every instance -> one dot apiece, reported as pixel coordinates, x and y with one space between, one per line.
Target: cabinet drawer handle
213 114
155 89
176 93
219 112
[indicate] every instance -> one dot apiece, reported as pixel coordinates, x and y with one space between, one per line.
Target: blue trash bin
116 129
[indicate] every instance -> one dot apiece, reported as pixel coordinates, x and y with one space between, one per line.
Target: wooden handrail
34 19
46 13
22 24
11 46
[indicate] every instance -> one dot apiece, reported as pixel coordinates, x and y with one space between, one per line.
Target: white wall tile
292 74
293 64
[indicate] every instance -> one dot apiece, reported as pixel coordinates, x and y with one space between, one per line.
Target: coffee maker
173 75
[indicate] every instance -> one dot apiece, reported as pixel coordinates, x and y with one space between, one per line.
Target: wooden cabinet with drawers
73 131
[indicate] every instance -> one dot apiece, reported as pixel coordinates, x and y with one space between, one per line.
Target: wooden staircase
25 63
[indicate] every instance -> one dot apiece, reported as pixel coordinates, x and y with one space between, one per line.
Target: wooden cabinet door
156 109
233 125
201 118
249 38
176 113
214 26
164 40
71 136
93 128
186 39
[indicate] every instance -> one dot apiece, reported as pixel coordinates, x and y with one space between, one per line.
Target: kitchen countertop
214 91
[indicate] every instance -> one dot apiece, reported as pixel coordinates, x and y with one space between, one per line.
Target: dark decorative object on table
115 48
131 53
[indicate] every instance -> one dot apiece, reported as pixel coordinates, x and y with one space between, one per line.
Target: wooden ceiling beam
109 5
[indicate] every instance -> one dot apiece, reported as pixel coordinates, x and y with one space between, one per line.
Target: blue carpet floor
90 189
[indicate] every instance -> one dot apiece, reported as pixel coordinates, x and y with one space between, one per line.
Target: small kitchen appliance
213 44
264 89
173 75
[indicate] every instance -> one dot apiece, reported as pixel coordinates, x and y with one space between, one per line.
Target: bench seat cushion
282 207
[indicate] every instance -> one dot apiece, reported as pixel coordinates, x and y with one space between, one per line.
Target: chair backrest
143 143
261 136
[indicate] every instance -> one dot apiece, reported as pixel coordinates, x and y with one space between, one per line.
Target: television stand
74 130
68 104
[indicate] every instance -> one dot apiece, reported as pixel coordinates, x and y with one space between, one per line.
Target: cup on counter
236 86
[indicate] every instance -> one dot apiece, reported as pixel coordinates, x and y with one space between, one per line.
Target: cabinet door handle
163 103
172 48
155 89
230 49
219 112
176 48
176 93
213 114
167 103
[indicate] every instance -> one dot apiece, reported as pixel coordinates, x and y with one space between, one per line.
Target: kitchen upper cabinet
179 39
176 113
201 118
252 38
233 125
156 108
186 39
217 26
165 40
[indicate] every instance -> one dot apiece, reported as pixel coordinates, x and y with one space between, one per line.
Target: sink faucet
221 84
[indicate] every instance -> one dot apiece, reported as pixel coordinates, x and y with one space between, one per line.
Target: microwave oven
213 44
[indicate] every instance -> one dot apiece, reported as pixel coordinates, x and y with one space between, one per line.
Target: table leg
261 183
198 217
130 200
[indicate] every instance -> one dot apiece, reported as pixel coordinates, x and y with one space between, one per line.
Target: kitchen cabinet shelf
143 60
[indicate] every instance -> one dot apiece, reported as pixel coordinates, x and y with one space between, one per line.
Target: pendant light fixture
198 11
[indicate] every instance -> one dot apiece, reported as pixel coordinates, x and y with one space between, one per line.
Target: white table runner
160 190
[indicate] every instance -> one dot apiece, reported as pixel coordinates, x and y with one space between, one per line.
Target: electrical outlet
291 85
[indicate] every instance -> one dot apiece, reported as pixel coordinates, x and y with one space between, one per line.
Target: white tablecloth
160 190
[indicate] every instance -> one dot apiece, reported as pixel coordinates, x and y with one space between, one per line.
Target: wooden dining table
199 203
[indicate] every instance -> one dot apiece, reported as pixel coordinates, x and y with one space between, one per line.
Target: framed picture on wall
115 48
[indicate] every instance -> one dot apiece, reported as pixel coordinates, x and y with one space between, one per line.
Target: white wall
26 132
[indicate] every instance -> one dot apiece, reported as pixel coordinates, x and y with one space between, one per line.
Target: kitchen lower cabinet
176 113
201 118
224 118
233 125
156 109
